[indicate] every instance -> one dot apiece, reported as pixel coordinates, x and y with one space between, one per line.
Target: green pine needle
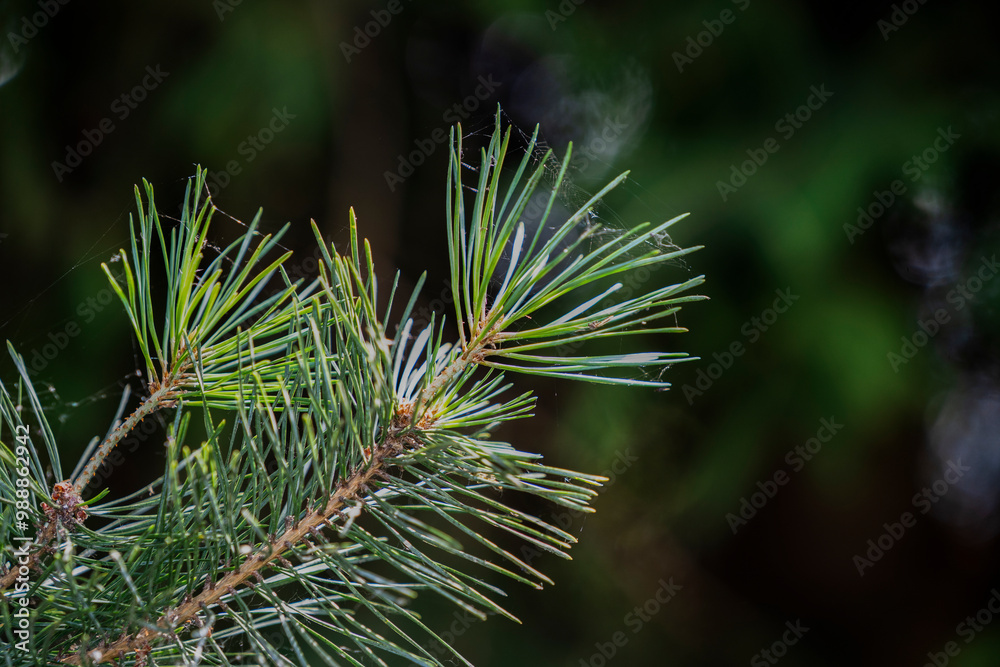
347 468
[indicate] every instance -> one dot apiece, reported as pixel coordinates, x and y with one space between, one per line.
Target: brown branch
45 535
472 355
141 642
163 396
313 521
66 509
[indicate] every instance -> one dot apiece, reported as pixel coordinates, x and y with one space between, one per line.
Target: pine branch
307 526
66 497
381 438
163 396
233 297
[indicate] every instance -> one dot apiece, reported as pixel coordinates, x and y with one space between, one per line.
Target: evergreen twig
350 448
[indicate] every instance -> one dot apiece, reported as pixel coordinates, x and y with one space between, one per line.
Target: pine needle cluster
343 465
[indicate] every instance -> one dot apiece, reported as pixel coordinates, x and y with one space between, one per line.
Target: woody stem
161 397
312 521
155 401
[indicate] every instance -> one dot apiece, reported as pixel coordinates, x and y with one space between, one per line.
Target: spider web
602 221
571 195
